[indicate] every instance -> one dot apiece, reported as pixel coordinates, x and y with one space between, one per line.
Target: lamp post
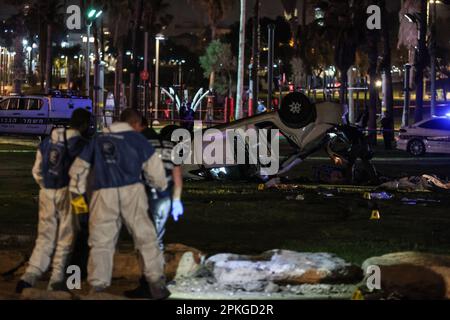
91 16
159 37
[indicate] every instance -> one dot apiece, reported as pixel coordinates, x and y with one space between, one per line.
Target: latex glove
177 209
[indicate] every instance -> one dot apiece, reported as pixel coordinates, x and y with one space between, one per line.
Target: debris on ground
328 174
417 184
418 201
378 196
299 197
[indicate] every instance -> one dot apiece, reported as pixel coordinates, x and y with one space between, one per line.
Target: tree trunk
388 127
118 77
255 55
134 62
372 47
48 60
18 66
241 65
420 63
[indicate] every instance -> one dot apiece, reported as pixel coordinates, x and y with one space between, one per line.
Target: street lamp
91 16
159 37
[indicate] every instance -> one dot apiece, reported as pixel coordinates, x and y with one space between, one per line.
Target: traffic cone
367 196
375 215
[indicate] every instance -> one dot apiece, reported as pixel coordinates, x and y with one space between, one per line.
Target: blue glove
177 209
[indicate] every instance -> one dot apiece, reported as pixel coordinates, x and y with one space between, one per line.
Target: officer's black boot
22 285
141 292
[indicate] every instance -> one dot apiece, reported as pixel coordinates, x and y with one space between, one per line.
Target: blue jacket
55 157
117 158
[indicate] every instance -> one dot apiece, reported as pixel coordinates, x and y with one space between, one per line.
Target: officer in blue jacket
56 222
119 158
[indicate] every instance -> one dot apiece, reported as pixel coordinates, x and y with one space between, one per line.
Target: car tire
297 111
416 148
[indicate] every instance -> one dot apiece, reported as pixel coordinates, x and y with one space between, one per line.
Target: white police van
37 115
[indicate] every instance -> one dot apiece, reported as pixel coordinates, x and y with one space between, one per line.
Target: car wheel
416 148
297 111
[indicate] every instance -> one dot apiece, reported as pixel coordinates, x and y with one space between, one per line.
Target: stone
282 267
10 260
181 261
37 294
272 288
413 275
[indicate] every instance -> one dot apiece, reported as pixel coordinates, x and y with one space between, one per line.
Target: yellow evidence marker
375 215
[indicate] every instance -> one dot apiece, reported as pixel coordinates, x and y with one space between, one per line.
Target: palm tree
17 21
386 67
119 17
216 10
372 40
344 23
49 18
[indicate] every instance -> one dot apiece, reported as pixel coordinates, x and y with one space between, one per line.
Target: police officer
161 204
348 144
169 201
119 158
56 222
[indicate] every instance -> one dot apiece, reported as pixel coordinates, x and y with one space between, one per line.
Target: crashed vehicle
307 127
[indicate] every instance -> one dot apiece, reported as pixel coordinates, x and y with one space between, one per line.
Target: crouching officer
165 203
345 146
168 201
56 221
119 157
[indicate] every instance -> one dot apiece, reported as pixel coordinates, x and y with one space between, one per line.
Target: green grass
236 217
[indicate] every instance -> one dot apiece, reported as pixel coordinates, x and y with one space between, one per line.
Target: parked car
427 136
37 115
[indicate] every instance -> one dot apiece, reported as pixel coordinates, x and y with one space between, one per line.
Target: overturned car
249 148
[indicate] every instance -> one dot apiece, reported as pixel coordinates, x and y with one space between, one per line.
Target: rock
282 267
413 275
10 260
37 294
272 288
181 261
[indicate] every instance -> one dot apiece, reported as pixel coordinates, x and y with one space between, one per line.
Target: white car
427 136
305 126
37 115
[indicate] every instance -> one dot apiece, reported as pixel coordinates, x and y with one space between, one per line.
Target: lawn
236 217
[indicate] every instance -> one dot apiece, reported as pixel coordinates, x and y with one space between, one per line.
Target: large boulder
282 267
181 261
11 262
413 275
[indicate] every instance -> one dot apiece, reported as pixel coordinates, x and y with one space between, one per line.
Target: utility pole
87 59
145 82
241 65
255 56
407 100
